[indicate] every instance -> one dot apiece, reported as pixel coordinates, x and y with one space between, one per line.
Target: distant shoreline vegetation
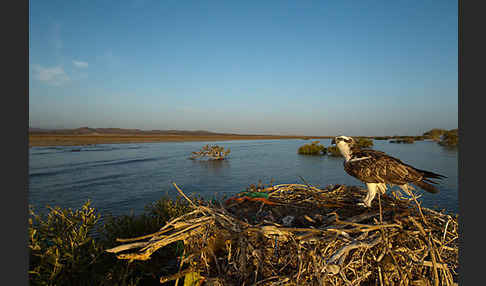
408 140
92 136
364 142
447 138
318 149
450 138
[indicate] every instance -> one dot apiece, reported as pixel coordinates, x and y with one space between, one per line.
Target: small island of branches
212 152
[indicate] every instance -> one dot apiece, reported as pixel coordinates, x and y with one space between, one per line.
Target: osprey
377 170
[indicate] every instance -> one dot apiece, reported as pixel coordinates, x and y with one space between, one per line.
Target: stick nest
303 235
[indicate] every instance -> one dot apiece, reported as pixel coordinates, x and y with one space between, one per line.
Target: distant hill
88 130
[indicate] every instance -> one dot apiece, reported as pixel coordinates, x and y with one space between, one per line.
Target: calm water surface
120 178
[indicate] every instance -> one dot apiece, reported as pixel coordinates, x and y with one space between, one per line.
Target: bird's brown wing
380 168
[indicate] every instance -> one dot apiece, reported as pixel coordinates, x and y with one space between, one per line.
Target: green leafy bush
61 248
450 138
312 149
155 216
334 151
434 134
364 142
67 247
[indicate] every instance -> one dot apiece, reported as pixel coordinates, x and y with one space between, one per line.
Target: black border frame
15 46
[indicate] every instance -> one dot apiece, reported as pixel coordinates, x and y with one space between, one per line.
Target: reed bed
298 234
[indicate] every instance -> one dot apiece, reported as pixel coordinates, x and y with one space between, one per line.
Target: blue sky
259 67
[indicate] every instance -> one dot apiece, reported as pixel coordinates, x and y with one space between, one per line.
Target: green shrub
450 138
155 216
434 134
162 262
66 249
406 140
61 248
364 142
334 151
312 149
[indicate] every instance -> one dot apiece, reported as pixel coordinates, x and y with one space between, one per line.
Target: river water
123 178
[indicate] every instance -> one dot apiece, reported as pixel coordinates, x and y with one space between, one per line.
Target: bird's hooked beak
333 142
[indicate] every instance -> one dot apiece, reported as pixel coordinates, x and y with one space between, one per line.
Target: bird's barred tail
428 174
428 187
426 181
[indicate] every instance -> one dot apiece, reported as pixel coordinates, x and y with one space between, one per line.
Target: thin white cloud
50 75
80 64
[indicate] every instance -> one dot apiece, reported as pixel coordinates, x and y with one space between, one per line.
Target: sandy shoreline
44 140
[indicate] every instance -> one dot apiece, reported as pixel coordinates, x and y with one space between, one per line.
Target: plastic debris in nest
329 241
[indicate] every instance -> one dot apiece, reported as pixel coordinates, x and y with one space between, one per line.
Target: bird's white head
345 145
